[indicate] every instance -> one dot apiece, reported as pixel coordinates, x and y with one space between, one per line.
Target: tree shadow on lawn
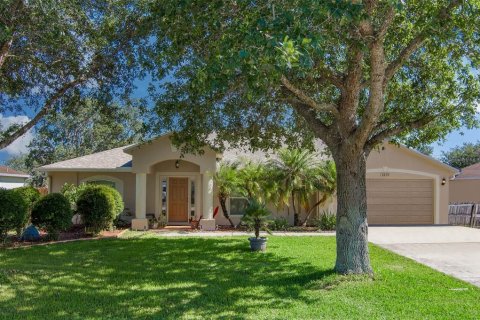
152 278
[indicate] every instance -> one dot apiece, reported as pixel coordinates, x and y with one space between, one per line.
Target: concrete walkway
449 249
190 233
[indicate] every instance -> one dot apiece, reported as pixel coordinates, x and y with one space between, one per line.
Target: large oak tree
55 53
352 73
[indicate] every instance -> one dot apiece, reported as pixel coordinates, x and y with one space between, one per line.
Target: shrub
72 192
13 211
119 206
327 221
279 224
29 194
99 206
52 213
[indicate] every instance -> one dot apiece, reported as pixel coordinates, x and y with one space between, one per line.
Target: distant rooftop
470 172
4 170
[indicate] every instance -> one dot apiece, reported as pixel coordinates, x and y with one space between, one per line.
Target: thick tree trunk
223 204
352 227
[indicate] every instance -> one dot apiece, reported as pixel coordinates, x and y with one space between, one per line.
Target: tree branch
4 51
382 31
331 76
399 128
375 103
14 9
321 130
10 138
307 100
417 42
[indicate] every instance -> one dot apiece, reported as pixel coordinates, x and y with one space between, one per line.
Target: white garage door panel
400 201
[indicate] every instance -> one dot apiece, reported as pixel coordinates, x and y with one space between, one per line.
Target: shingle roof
113 159
10 171
236 154
470 172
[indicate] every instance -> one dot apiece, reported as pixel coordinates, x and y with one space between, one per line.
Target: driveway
449 249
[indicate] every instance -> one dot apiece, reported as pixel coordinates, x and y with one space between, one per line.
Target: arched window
105 180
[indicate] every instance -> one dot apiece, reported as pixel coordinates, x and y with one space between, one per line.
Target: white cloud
19 146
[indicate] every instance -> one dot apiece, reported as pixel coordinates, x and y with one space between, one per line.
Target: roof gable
113 159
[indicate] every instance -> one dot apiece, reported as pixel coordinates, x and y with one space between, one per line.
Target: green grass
150 277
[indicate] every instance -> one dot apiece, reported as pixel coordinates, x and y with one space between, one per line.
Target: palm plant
294 178
324 180
252 177
228 182
256 217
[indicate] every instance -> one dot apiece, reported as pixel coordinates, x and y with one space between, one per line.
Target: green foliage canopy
462 156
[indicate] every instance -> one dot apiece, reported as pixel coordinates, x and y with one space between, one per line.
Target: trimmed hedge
119 205
13 211
53 213
99 206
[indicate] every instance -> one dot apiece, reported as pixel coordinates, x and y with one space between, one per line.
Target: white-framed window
237 205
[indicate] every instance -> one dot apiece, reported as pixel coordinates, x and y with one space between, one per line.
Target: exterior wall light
177 164
444 181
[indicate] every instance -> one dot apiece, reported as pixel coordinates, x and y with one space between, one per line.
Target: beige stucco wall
465 190
58 179
149 154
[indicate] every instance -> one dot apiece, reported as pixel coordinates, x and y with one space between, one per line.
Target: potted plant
256 218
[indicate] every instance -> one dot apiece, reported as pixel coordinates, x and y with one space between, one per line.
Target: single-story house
465 187
404 186
11 178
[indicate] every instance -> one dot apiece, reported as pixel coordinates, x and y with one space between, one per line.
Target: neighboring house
465 187
404 186
11 178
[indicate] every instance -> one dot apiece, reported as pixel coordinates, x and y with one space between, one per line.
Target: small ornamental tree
52 213
352 73
227 182
13 211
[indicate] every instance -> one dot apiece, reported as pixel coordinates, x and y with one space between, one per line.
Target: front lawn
152 277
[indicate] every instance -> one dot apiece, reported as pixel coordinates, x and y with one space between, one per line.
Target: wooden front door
178 200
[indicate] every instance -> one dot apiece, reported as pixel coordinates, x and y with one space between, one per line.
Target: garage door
400 201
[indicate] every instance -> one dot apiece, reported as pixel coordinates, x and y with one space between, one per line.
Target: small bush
99 206
327 221
13 211
279 224
119 206
72 192
52 213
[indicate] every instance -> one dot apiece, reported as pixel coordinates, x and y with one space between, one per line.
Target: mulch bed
72 234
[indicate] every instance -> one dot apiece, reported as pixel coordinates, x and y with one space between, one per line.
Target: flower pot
258 244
